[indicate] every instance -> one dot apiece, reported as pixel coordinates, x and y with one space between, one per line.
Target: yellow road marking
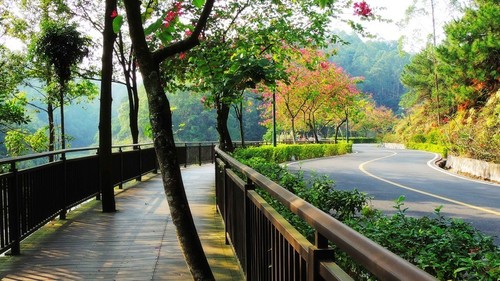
362 169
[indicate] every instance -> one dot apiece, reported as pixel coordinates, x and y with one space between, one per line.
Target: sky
416 33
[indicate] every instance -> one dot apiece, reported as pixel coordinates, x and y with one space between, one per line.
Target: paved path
138 242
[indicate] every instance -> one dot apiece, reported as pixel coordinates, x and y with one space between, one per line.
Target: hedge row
428 147
285 153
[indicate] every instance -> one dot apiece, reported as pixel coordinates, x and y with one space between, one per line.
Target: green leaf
153 27
165 38
198 3
117 23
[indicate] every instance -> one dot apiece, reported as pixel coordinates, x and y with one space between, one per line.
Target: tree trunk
62 91
225 141
52 133
108 196
129 70
337 129
238 109
133 102
163 137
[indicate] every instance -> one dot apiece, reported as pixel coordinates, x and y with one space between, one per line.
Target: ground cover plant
447 248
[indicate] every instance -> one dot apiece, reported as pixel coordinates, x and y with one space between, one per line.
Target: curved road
386 174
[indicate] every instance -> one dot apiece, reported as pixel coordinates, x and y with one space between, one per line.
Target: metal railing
34 191
269 248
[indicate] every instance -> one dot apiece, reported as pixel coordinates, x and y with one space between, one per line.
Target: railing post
199 153
13 211
213 152
120 152
318 253
98 196
139 178
248 230
62 214
185 162
224 199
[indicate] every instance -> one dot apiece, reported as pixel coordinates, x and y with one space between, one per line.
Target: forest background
436 100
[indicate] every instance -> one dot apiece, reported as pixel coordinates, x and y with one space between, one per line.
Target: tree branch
188 43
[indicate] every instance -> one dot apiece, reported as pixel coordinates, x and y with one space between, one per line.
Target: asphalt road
387 174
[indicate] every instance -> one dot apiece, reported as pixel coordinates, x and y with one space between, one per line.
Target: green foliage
461 114
419 143
284 153
317 190
11 74
449 249
62 46
380 63
20 142
471 53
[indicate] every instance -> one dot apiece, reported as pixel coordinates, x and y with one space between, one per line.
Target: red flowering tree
318 94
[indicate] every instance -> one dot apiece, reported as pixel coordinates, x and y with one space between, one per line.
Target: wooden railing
34 191
269 248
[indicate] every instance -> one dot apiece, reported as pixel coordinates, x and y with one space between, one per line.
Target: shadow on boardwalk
138 242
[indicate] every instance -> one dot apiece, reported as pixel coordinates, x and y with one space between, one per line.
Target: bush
285 153
441 149
449 249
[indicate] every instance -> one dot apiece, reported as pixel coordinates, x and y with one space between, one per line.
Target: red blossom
188 33
114 14
182 55
362 9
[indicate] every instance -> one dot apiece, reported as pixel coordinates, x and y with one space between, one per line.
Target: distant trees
379 62
42 26
468 72
317 96
11 103
61 47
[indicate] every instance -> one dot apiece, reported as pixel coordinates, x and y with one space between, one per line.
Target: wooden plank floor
138 242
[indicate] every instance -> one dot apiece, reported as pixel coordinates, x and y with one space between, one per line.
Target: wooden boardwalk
138 242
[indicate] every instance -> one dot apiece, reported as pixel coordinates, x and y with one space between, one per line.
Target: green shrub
441 149
449 249
285 153
419 138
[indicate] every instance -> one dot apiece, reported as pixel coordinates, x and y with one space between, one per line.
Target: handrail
375 258
66 183
8 160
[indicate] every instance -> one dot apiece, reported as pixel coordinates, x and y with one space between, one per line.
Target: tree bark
337 128
105 142
225 141
163 137
238 109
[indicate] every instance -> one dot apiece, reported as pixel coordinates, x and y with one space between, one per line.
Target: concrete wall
482 169
393 145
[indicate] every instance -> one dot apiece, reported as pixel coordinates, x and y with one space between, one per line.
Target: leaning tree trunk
225 141
337 129
161 123
163 138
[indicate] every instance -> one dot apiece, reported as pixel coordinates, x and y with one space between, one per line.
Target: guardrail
34 191
269 248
